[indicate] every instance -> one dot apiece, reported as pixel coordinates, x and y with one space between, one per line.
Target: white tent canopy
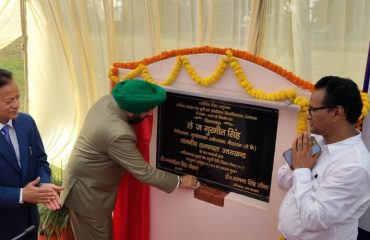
71 44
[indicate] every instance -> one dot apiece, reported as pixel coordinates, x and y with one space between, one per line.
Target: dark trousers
14 221
363 235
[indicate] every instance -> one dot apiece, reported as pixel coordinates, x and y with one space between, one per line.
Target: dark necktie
5 132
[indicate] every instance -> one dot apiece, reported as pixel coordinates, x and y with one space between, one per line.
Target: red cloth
131 212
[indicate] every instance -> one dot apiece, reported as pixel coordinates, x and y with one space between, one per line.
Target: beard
135 119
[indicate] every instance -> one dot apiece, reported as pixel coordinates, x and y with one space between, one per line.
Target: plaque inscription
225 144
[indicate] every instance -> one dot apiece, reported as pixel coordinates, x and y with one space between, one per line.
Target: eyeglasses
313 109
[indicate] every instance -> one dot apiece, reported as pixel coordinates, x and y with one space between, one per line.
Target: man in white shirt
328 192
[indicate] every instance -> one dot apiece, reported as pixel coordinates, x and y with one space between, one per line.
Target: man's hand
54 187
188 181
33 194
302 152
55 203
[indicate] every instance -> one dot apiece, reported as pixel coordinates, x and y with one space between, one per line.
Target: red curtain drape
131 212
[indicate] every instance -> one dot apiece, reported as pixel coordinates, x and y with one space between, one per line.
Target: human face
319 115
9 102
134 118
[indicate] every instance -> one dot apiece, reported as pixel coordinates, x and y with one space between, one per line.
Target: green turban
138 96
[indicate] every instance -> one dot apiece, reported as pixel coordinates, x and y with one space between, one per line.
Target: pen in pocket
30 150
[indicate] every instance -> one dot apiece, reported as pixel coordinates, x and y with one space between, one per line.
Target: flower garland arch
230 58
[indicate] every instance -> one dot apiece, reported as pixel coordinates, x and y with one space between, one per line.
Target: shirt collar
338 146
10 123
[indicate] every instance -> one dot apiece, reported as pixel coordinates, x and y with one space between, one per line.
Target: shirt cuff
302 175
21 196
302 181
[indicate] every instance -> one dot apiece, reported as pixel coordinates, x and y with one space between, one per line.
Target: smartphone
315 149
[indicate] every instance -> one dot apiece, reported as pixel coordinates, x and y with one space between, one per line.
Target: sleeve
9 197
43 169
285 177
338 197
123 150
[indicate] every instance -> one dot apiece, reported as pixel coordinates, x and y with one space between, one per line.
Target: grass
56 172
12 59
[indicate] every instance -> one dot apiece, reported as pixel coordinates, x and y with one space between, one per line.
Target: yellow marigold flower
233 65
225 59
291 93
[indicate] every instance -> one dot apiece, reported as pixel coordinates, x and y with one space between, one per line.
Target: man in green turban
104 151
138 98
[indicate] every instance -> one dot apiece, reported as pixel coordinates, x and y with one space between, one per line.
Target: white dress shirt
326 203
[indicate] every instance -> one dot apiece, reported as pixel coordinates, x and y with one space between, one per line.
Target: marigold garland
222 51
365 107
230 58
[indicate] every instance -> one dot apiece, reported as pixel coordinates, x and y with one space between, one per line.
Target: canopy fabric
10 22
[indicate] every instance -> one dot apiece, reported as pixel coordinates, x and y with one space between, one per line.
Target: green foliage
12 59
57 174
53 222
